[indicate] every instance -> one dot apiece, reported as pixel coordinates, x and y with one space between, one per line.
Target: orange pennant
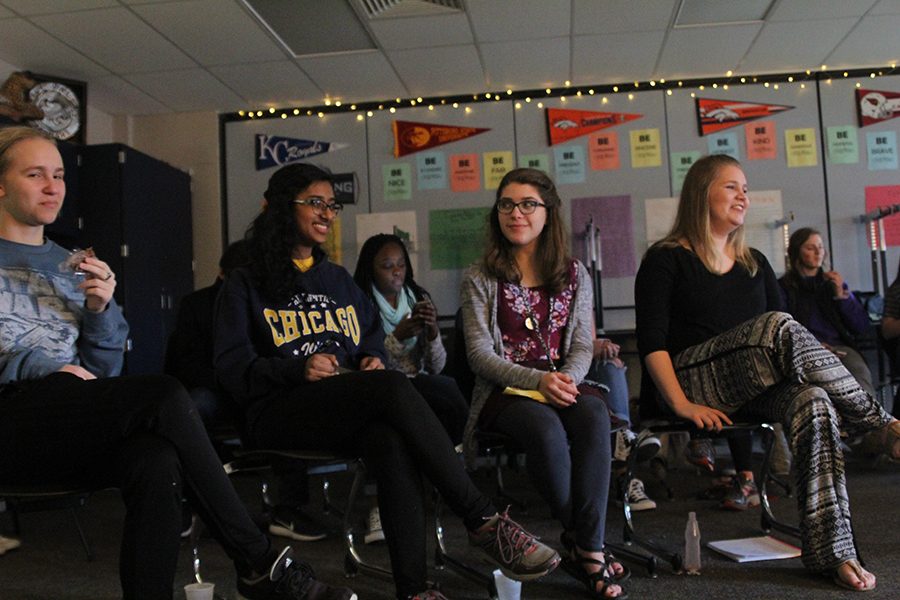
565 124
412 137
716 115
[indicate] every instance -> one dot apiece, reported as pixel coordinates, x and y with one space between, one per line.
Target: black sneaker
742 495
295 524
289 580
518 553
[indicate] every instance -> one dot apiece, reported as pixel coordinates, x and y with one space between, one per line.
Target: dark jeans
379 415
142 435
443 396
568 456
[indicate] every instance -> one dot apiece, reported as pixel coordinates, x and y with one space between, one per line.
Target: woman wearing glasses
527 313
300 346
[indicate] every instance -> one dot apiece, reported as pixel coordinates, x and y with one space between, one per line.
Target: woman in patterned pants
712 348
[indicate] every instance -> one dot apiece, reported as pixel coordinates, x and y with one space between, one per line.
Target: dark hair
793 277
553 258
273 235
692 219
364 276
10 136
235 255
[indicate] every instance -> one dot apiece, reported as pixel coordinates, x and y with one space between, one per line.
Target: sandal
574 565
567 538
858 571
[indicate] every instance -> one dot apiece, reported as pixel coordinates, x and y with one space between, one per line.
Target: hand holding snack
99 283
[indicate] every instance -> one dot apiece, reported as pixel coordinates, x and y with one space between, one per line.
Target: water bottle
692 545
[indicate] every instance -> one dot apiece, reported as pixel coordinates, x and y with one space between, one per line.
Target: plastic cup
199 591
507 589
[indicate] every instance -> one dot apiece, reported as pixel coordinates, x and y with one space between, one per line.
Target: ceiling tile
527 64
115 96
886 7
271 84
45 7
785 46
439 71
521 20
873 42
705 51
23 44
709 12
806 10
620 16
354 77
212 32
117 39
186 90
443 30
615 57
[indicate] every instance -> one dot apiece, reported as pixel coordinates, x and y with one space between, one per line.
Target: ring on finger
108 276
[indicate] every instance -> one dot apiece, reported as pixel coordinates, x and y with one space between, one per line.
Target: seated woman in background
821 301
299 345
409 317
527 315
712 349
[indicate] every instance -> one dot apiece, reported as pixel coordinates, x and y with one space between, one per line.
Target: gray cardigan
484 344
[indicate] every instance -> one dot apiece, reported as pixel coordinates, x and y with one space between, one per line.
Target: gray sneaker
518 553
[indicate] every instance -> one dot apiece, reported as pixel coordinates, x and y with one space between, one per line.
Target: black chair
38 497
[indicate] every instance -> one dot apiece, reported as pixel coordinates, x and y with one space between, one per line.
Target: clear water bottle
692 545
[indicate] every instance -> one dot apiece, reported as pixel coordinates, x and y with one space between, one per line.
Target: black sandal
574 566
567 539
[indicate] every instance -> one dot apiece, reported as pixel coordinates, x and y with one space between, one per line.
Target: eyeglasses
526 207
320 206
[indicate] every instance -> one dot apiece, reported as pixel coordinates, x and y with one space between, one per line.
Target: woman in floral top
527 315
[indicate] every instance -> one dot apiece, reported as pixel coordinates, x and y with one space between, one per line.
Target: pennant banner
412 137
274 151
565 124
716 115
875 107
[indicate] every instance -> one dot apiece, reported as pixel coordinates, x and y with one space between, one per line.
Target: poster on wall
876 106
612 215
761 141
645 148
465 173
412 137
456 236
800 147
400 223
724 143
881 148
397 179
843 146
715 115
878 196
565 124
541 162
569 162
431 170
496 165
604 151
680 163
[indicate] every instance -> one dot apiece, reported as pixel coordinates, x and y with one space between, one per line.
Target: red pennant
874 106
412 137
565 124
716 115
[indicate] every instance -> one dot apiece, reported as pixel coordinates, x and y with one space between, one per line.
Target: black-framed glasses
320 206
526 207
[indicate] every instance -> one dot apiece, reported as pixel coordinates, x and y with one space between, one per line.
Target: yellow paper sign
496 165
332 245
645 149
800 145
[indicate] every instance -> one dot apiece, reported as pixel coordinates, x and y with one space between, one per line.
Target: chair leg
768 521
442 559
353 561
88 552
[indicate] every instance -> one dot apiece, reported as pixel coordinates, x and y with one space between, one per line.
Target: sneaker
293 523
742 495
374 532
646 443
701 453
636 497
289 579
7 544
518 553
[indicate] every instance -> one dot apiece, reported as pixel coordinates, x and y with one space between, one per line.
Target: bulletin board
623 175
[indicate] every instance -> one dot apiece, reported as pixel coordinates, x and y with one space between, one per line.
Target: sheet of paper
755 549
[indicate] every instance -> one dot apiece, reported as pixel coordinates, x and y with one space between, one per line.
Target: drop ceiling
158 56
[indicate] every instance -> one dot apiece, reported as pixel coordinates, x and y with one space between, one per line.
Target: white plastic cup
507 589
199 591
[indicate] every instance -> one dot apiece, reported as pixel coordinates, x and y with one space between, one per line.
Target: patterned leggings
772 368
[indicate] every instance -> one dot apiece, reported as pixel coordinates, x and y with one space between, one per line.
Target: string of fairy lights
536 97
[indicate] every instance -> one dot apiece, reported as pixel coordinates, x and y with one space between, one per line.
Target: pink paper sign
761 141
465 173
604 151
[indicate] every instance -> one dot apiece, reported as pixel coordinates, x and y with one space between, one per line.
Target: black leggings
380 416
142 435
